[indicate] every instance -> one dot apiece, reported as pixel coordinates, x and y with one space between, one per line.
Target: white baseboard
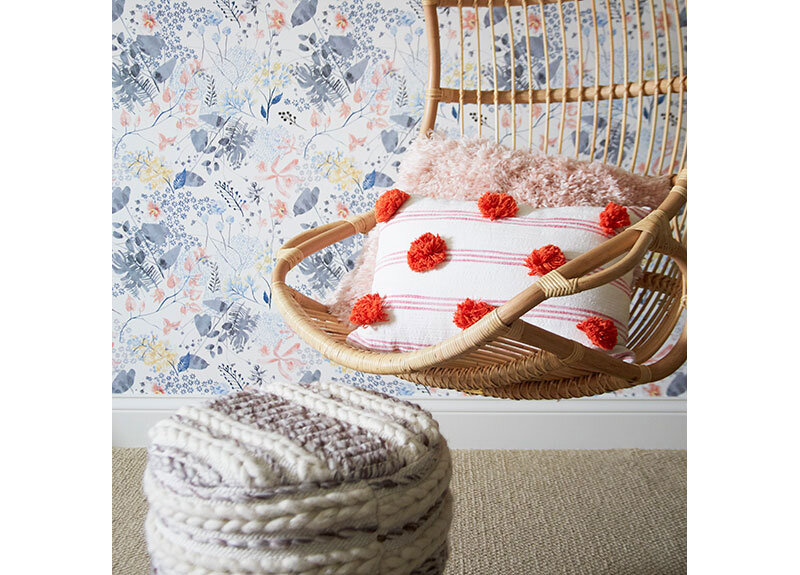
484 423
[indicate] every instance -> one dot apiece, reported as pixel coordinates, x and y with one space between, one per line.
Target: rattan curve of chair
502 355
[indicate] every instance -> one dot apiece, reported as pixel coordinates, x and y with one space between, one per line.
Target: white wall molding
484 423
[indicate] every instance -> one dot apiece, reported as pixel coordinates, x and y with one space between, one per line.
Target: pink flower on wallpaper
287 146
277 20
130 304
278 209
153 210
169 325
283 360
469 20
166 95
284 181
344 110
148 20
154 109
124 118
163 141
342 210
358 95
185 77
158 295
355 142
652 389
172 281
341 21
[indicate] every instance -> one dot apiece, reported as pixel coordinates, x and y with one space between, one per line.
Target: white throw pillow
485 261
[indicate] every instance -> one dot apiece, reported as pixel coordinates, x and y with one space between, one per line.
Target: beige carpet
620 512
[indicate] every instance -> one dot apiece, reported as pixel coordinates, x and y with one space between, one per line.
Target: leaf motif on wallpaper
180 180
403 119
117 7
135 272
276 99
213 119
194 180
320 87
150 45
240 327
376 179
199 140
154 233
306 201
120 198
168 259
310 377
191 361
678 385
304 12
342 46
129 88
389 140
164 71
216 305
123 381
354 72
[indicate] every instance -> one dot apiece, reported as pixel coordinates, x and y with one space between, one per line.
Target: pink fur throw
466 169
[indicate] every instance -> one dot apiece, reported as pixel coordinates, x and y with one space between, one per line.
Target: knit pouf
316 479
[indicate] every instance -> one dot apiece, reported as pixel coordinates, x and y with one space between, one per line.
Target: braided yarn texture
300 479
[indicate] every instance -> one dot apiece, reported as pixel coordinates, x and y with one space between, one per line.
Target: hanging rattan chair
502 355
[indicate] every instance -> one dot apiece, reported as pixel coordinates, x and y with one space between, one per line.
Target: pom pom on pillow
544 260
601 332
613 218
426 252
496 206
388 204
470 311
368 310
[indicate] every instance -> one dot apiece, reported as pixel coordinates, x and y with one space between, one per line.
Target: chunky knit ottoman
313 479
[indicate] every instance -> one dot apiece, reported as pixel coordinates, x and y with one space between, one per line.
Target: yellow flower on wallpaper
155 353
275 75
151 169
452 73
339 170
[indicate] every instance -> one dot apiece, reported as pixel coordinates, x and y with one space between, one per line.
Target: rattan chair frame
502 355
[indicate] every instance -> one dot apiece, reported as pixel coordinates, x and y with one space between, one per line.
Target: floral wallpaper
237 124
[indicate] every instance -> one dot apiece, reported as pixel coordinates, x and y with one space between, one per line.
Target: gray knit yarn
298 479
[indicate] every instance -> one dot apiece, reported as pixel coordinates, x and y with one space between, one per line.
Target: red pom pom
545 259
495 206
601 332
368 310
426 252
389 202
613 217
469 311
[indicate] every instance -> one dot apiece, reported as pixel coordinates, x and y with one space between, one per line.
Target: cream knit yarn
321 479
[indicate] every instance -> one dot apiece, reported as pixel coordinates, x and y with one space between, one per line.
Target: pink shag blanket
465 169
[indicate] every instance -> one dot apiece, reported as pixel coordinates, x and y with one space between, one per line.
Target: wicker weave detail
553 284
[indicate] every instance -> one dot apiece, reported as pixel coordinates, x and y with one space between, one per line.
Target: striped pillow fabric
487 261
